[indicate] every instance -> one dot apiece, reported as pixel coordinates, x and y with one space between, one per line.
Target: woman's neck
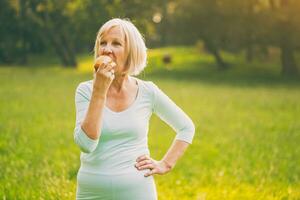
120 83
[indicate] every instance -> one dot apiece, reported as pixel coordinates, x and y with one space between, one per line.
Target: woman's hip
132 186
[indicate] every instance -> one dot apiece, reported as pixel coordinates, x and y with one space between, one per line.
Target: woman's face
112 44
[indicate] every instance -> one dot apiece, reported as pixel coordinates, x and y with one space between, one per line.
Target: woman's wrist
99 93
168 165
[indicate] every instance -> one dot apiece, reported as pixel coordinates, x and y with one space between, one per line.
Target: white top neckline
131 105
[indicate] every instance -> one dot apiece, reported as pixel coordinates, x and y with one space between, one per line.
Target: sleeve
82 100
170 113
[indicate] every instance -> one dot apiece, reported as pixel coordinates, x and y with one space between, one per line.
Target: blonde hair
134 44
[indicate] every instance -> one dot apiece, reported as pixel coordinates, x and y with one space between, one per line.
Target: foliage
67 28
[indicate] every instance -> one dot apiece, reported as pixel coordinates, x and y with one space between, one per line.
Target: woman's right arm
92 121
89 110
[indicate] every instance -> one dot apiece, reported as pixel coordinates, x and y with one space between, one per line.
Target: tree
286 23
8 32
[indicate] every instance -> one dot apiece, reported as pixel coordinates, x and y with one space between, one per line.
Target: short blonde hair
134 44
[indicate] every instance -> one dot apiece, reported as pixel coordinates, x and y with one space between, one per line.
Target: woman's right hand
103 73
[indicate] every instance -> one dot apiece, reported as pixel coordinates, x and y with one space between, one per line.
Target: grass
247 129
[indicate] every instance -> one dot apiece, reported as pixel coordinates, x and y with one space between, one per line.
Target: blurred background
231 65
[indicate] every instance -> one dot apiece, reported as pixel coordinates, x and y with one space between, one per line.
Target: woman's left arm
169 112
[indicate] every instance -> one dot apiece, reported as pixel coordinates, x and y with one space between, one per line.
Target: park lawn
246 144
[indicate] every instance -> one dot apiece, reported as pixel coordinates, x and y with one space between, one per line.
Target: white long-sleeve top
124 135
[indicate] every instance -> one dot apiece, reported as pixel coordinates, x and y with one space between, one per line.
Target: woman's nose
106 50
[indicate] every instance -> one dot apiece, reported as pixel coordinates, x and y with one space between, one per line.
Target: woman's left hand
156 167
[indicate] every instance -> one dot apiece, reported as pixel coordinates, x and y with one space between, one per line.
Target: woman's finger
99 66
143 162
109 74
143 157
147 166
104 70
109 67
153 171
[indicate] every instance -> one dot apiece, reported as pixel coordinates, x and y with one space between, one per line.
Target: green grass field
246 146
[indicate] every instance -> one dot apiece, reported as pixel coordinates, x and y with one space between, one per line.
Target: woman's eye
116 43
102 43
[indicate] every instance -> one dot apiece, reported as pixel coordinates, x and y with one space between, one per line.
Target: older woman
112 117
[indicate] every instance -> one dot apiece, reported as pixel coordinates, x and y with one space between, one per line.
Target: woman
112 117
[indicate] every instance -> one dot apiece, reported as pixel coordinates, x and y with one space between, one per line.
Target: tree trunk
286 43
288 62
164 23
24 47
249 53
62 49
60 43
69 51
222 65
59 48
218 58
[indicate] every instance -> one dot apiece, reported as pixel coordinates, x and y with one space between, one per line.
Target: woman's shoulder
149 89
147 85
85 86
